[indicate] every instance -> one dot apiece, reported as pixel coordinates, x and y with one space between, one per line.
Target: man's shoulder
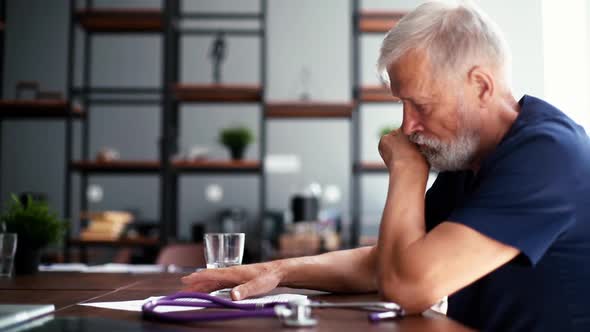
542 127
538 117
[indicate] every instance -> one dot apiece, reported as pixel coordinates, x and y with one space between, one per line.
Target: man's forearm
351 270
403 216
402 224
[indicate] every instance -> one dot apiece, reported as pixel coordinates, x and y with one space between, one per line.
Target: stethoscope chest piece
296 313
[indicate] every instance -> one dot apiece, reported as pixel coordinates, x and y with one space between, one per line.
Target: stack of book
105 226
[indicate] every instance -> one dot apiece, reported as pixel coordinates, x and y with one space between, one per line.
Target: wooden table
66 289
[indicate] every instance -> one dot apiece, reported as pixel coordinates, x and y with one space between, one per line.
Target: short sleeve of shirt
521 197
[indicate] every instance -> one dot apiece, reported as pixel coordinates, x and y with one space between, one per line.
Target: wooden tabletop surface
66 289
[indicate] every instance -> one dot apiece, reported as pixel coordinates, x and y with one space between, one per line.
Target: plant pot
26 260
237 153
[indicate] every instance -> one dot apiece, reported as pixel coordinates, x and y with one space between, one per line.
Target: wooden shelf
218 93
377 94
378 21
123 242
118 166
121 20
49 109
371 167
309 109
217 166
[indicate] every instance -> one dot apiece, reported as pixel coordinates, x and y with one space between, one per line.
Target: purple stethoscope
295 313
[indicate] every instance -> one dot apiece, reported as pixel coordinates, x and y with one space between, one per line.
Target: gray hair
455 37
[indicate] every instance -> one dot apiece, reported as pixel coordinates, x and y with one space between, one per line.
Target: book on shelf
105 225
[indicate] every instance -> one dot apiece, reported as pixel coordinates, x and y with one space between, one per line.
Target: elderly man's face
436 116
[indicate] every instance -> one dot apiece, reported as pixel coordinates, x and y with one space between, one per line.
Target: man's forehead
413 62
409 76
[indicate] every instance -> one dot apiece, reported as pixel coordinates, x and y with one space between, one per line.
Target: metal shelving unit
169 96
365 22
25 110
189 93
97 21
172 94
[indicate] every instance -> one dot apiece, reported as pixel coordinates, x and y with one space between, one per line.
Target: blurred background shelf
218 166
124 242
371 167
218 93
378 21
118 166
120 20
377 94
51 109
311 109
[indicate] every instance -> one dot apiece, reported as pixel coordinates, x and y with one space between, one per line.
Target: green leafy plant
236 137
387 129
35 223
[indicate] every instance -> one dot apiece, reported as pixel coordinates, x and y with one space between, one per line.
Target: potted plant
236 139
37 226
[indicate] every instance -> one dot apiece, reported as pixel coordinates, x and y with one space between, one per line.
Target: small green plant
35 223
387 129
236 137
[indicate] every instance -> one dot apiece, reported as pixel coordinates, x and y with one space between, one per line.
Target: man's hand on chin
399 153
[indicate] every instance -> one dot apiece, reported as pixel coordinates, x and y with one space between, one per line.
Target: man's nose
411 123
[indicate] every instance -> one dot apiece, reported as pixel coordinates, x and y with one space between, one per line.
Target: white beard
450 156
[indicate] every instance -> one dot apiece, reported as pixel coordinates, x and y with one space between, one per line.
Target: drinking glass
224 249
7 250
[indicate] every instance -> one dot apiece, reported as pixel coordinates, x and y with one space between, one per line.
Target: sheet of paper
105 268
64 267
135 305
125 268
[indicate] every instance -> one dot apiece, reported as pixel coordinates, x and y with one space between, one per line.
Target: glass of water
224 249
7 250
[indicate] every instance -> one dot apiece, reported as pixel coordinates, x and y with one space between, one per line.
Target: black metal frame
169 139
355 183
68 135
3 20
357 168
2 32
263 122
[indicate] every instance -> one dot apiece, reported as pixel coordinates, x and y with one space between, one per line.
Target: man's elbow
414 296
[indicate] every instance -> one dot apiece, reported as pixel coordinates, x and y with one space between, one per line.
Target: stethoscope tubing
244 310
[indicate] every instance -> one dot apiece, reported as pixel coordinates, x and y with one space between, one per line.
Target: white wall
567 76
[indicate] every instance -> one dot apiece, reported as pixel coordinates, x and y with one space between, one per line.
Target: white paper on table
442 306
135 305
105 268
64 267
125 268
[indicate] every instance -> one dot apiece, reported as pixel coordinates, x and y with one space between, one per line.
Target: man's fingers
256 286
203 287
208 275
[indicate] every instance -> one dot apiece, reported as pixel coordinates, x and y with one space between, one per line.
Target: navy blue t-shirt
532 193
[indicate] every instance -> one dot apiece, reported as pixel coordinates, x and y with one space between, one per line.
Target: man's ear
482 83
